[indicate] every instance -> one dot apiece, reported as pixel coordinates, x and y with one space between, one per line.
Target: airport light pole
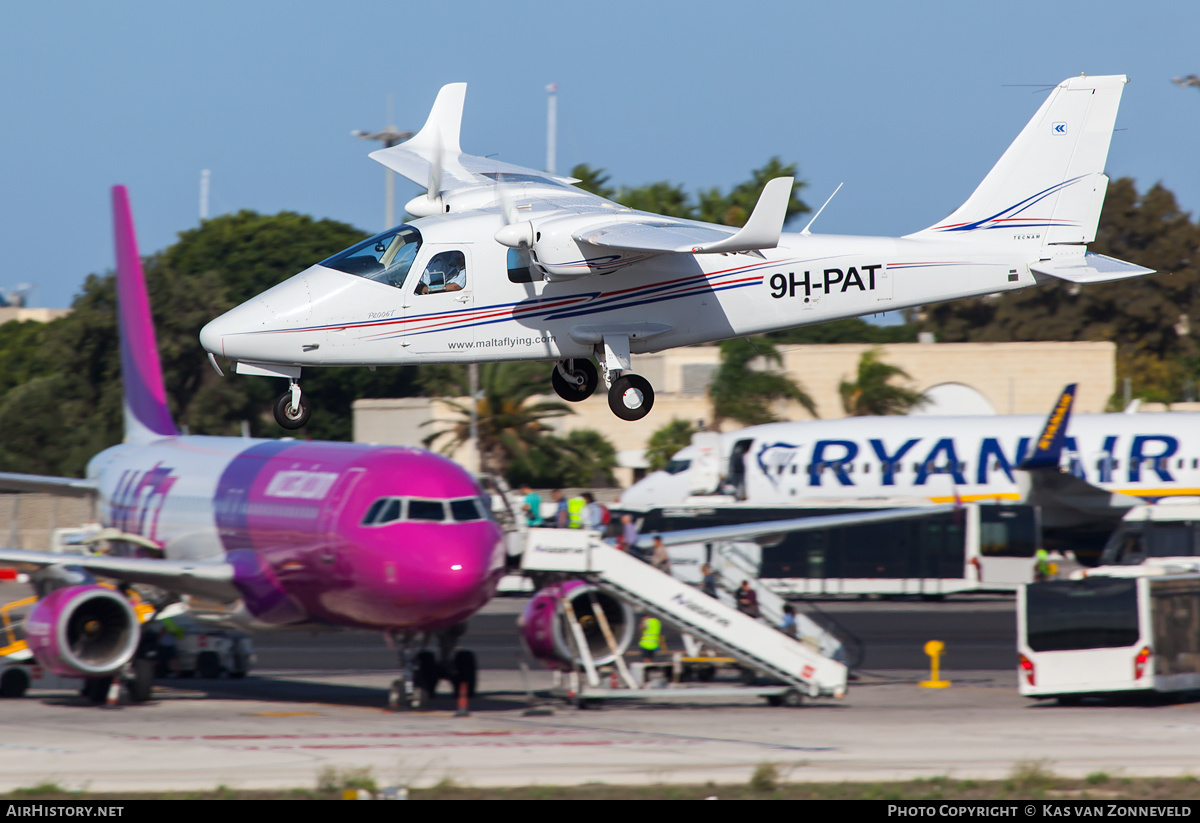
551 127
389 136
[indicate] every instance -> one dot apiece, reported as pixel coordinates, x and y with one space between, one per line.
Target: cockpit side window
392 513
446 271
384 258
373 511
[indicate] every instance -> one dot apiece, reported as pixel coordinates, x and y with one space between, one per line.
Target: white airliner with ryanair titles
1083 472
508 263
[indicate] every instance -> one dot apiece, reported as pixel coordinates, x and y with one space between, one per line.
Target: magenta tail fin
146 412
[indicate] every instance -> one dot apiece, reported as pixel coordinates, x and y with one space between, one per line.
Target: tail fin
1050 184
146 414
1047 451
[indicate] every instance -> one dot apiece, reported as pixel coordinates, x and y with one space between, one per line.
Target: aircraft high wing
509 263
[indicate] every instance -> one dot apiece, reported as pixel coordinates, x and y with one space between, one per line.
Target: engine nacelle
544 626
83 631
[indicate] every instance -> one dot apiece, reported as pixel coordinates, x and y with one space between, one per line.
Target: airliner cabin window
447 271
384 258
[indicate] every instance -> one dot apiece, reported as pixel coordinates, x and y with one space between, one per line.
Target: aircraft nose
258 329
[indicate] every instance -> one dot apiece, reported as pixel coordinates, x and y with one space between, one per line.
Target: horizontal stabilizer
663 236
1089 268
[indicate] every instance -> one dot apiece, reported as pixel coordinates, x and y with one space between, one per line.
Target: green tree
739 392
666 441
583 459
734 209
665 198
871 392
511 419
593 180
1151 319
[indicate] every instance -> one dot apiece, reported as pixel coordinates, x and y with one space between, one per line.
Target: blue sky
908 104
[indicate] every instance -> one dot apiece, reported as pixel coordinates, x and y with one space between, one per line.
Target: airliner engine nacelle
83 631
544 625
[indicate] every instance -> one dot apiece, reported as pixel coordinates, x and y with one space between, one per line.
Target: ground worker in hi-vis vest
651 638
575 507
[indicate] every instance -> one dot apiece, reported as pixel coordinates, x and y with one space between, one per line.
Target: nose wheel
631 397
291 409
574 380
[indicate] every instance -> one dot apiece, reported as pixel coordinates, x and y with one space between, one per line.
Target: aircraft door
439 308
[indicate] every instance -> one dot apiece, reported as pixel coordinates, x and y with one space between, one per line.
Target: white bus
976 547
1109 635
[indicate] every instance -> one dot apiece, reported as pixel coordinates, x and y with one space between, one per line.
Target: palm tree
741 393
871 393
511 424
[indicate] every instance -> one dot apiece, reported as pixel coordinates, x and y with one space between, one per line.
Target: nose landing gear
291 409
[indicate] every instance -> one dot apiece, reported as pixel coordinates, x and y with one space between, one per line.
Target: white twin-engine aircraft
508 263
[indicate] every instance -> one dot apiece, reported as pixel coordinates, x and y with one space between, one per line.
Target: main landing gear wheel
580 381
631 397
291 416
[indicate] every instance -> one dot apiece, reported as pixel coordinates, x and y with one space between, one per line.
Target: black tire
749 677
208 666
466 670
288 416
425 673
791 698
636 386
572 392
14 682
774 700
142 686
95 689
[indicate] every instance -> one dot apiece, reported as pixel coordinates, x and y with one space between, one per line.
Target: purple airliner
279 533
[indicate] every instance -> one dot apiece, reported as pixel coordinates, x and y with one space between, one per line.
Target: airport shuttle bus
976 547
1109 635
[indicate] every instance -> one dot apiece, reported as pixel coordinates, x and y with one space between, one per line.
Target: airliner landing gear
574 380
631 397
422 672
291 409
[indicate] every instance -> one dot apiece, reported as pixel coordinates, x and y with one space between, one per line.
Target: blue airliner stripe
1016 208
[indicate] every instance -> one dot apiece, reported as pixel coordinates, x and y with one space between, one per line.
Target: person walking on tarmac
575 508
1042 567
651 639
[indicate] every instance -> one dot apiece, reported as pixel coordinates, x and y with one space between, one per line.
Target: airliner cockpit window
426 510
464 510
384 258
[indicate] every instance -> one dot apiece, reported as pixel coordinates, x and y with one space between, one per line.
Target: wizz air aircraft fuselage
342 534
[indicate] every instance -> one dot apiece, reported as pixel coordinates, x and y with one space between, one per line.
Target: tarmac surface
280 729
317 702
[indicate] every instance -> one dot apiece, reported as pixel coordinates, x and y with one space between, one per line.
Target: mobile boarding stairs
804 666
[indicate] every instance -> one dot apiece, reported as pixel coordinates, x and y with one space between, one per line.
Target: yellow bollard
934 649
